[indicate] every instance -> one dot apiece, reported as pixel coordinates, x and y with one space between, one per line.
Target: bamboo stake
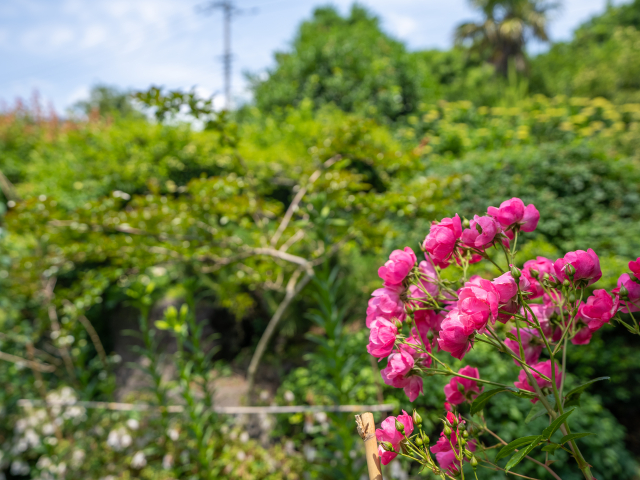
367 430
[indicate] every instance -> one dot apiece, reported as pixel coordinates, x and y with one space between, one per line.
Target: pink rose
541 265
419 358
531 344
545 369
586 264
460 389
398 266
455 335
382 337
388 433
479 303
427 321
481 232
413 387
386 302
507 289
543 314
582 336
428 276
513 212
634 266
633 287
445 455
599 309
441 240
399 364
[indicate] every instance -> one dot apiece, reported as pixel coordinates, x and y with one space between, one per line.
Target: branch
49 285
293 289
298 198
32 364
95 338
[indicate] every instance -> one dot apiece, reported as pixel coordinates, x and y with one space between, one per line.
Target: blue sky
62 47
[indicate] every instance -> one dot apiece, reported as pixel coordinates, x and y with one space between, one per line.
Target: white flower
32 438
173 434
20 426
43 463
18 467
133 424
77 457
119 439
48 429
241 456
309 453
167 461
289 396
138 461
244 437
320 417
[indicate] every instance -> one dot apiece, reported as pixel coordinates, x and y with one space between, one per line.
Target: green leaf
517 458
162 325
538 409
555 425
573 436
482 399
517 443
551 448
572 398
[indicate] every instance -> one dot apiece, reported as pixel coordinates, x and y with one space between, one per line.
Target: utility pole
229 10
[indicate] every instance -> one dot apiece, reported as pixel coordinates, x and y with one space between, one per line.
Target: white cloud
402 25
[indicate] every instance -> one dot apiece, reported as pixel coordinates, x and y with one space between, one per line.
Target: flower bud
516 273
572 298
463 442
474 462
417 419
570 270
409 320
467 453
426 439
399 426
534 273
465 223
398 324
566 283
624 293
465 434
419 442
387 446
447 430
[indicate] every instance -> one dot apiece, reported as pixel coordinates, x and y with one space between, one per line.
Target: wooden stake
367 430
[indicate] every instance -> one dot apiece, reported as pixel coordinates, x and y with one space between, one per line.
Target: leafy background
131 212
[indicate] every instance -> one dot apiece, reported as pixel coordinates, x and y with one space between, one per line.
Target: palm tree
507 26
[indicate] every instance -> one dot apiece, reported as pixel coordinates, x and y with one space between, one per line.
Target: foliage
601 59
105 100
347 61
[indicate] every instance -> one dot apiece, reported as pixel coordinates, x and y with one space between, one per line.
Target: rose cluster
415 314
